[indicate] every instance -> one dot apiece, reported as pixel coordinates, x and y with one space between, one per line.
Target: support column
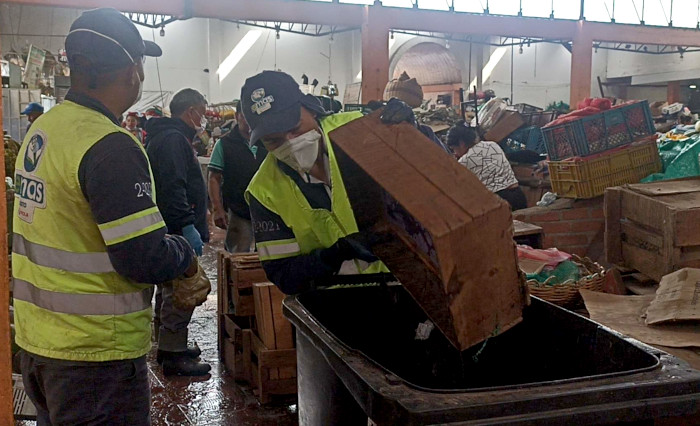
6 409
375 55
673 92
480 66
581 65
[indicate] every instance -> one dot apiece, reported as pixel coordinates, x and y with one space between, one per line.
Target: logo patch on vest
29 189
32 155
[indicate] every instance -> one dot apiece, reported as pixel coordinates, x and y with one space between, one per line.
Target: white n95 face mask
301 152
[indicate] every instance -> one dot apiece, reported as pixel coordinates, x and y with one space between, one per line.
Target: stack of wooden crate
236 310
255 341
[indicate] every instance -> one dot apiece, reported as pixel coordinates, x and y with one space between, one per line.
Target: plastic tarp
679 154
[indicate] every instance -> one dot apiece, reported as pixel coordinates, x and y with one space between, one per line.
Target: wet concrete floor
215 399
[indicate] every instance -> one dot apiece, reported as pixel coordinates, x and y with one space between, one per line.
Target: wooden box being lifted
445 236
655 227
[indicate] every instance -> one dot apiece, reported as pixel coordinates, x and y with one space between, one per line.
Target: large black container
358 357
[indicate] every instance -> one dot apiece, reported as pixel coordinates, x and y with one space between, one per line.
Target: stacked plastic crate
594 152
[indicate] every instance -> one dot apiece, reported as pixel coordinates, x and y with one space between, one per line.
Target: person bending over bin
305 229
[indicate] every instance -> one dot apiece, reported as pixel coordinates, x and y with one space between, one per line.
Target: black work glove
397 111
353 246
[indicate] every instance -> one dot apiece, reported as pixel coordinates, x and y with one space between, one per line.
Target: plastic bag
566 271
552 257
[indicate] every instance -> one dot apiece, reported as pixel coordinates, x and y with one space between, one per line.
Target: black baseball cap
270 102
107 39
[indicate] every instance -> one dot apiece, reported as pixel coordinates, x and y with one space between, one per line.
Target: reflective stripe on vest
131 226
278 249
90 263
82 304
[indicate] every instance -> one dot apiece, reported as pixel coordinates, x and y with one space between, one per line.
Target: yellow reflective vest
69 301
313 228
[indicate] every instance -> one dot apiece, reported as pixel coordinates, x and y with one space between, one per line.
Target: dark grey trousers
172 322
239 234
88 393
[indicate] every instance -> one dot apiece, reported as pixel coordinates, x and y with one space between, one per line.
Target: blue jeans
88 393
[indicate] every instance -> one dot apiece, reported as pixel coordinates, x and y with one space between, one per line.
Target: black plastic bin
358 357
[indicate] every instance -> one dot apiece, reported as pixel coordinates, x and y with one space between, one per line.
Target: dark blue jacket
181 195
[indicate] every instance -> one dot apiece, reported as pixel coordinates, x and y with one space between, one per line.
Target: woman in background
488 162
131 123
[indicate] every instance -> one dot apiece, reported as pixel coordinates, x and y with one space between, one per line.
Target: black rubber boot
191 352
181 365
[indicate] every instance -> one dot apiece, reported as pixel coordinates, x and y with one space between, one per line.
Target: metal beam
351 15
642 34
166 7
466 23
333 14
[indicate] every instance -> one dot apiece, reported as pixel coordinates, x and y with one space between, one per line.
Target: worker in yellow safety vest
88 239
305 229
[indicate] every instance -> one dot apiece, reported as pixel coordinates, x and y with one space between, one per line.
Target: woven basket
567 294
406 89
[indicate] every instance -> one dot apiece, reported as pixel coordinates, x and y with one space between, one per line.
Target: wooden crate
234 293
654 228
439 224
264 362
241 289
222 298
236 353
273 329
235 284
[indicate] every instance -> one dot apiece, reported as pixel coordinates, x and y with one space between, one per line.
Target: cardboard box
509 122
654 227
447 238
676 299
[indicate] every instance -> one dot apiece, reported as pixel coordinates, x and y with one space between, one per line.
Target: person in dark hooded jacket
181 199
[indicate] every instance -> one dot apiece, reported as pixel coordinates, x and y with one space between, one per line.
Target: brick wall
573 226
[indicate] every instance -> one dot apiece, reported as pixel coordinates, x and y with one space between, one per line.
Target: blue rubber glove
192 236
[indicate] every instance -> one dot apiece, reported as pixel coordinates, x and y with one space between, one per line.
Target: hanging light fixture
162 31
